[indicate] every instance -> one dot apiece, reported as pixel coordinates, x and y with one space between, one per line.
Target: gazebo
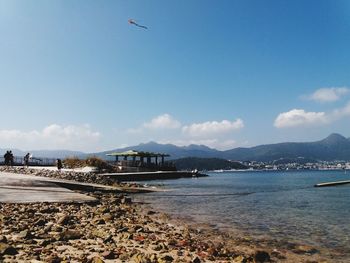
139 161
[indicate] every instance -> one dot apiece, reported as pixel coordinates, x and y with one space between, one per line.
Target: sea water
281 205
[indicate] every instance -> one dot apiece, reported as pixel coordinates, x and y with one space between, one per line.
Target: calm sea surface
280 205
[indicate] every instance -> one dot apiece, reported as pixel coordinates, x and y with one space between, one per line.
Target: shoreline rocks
115 229
112 231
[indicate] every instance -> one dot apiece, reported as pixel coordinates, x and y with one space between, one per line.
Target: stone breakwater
71 175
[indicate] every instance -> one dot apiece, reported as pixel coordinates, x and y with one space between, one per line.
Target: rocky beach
116 229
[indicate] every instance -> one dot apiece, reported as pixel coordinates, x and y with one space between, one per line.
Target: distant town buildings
320 165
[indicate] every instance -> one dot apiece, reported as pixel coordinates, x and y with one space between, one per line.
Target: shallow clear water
280 205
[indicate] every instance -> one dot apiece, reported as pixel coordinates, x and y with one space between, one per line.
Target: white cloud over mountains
212 128
54 136
166 129
164 121
300 117
328 94
204 129
161 122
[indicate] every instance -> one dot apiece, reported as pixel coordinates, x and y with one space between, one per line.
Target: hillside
334 147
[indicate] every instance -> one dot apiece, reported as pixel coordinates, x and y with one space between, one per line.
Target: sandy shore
114 229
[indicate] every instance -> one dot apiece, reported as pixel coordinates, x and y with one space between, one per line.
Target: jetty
327 184
157 175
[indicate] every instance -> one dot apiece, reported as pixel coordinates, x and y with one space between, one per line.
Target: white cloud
161 122
298 117
164 121
54 136
328 94
210 128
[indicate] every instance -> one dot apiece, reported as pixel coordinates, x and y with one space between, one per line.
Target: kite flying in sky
133 22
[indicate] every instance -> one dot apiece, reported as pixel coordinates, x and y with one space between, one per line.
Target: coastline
117 230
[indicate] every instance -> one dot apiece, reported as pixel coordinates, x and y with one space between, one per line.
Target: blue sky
76 75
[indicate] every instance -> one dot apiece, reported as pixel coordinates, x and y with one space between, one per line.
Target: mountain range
334 147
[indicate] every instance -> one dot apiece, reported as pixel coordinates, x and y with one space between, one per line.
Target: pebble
261 256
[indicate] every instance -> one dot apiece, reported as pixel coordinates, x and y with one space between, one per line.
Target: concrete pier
159 175
332 183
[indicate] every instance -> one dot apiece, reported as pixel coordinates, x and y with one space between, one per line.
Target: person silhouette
26 159
11 158
59 164
7 158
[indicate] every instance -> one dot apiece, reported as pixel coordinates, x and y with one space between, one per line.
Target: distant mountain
334 147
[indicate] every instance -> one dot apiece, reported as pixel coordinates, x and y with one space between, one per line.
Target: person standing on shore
7 158
11 158
59 164
26 160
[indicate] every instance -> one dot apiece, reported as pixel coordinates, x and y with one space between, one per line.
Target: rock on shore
114 230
